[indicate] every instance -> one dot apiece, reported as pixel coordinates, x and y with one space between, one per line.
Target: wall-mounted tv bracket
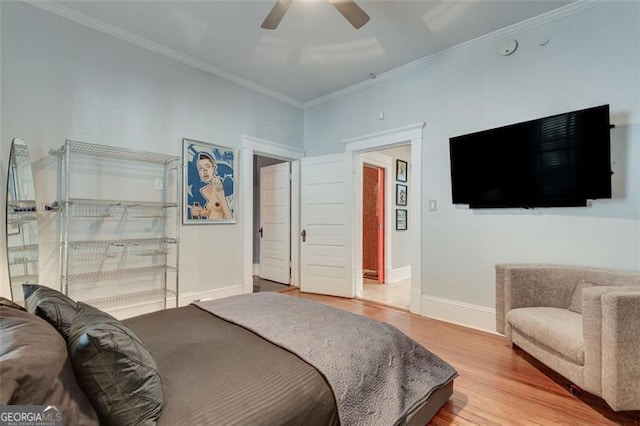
612 126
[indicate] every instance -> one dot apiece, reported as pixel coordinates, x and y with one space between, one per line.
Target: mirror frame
21 219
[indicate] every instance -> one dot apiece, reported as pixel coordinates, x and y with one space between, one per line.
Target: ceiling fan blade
351 11
275 16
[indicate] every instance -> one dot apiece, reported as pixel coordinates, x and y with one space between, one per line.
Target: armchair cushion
557 330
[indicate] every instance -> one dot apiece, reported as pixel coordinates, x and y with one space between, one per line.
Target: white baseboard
415 303
184 299
145 308
399 274
256 269
472 316
217 293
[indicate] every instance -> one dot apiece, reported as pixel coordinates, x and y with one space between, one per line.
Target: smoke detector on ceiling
508 47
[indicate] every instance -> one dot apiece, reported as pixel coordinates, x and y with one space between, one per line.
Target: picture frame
209 185
401 170
401 194
401 219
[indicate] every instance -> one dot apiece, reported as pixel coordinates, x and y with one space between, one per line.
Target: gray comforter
377 374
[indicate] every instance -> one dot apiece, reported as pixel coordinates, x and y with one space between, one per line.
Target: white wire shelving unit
118 254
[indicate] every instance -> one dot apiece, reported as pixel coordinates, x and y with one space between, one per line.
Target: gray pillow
576 300
35 368
50 305
114 368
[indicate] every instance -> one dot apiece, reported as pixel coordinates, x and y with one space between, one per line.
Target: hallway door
275 223
326 248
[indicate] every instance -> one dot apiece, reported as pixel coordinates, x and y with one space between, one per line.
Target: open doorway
373 223
255 146
340 165
386 257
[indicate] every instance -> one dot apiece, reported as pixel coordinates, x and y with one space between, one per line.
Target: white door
326 197
275 222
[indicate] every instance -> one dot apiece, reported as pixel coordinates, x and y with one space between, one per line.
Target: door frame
255 146
411 134
385 162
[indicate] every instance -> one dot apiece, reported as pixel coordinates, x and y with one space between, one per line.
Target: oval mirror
22 223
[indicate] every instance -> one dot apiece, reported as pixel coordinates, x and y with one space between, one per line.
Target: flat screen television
557 161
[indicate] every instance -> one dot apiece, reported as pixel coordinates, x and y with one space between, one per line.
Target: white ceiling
314 51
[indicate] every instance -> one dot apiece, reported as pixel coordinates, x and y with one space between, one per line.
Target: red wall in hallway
369 220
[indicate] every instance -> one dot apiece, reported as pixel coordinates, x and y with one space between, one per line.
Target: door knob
260 231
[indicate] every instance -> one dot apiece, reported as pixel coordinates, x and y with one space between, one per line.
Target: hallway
395 294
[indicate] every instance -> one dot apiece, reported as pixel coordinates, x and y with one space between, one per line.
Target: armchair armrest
595 319
621 349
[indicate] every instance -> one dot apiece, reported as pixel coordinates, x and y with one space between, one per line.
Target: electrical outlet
158 184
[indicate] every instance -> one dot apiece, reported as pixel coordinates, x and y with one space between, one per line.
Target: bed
261 359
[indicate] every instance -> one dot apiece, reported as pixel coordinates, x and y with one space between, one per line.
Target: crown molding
545 18
96 24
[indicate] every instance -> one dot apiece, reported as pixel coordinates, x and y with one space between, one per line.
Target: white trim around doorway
412 135
255 146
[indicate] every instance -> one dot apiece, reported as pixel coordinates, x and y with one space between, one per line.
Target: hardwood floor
496 385
260 284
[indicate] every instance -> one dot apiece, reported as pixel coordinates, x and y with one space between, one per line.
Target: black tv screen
557 161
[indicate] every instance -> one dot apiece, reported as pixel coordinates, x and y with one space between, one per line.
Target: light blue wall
62 80
592 58
400 240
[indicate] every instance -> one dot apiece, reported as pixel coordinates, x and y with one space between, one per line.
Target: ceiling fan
351 11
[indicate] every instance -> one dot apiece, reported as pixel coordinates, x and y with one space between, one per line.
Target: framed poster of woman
209 179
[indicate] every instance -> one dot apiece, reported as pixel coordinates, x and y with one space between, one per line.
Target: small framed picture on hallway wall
401 171
401 194
401 220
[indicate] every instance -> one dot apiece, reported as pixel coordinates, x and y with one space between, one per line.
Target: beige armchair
583 323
